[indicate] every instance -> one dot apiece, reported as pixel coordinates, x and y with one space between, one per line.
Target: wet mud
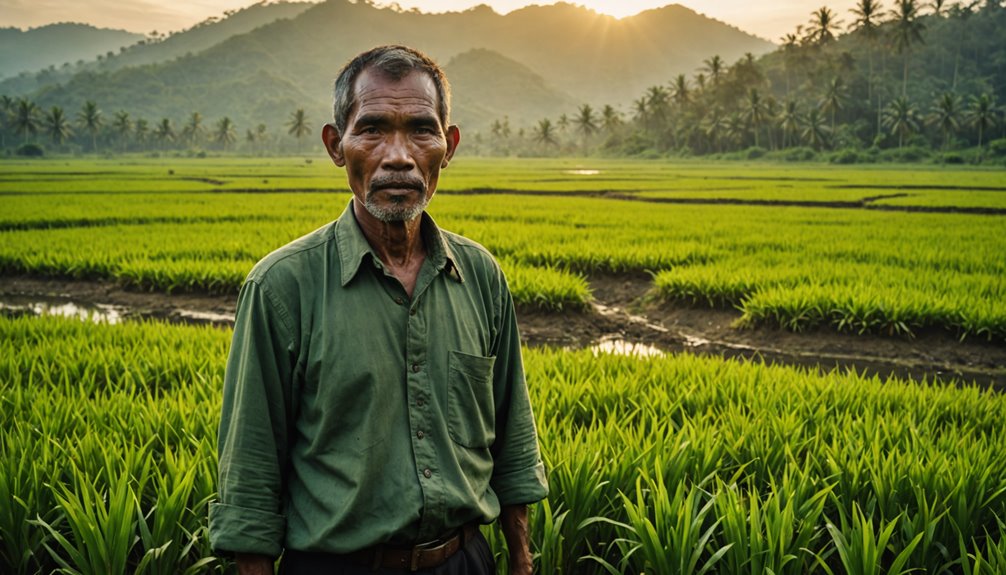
622 319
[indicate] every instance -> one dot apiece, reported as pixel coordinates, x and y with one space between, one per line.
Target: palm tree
867 13
944 115
297 126
815 131
122 125
901 118
981 115
7 105
261 134
658 107
610 119
755 112
192 132
225 134
585 122
141 131
834 99
89 119
641 112
57 126
681 91
165 132
906 32
961 12
714 66
544 134
26 119
789 122
562 123
714 124
790 46
822 26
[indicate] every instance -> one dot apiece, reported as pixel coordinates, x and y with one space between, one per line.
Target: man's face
394 145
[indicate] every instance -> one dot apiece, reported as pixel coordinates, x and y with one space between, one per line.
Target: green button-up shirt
354 415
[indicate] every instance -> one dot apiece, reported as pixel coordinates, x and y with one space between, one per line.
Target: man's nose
398 152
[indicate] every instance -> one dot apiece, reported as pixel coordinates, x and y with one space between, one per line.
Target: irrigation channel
622 320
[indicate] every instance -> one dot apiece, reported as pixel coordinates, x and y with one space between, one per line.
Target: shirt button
415 368
427 473
399 301
412 311
420 434
420 402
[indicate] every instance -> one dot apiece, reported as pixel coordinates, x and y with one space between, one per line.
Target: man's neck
399 245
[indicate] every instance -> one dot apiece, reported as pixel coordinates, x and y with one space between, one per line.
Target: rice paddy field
669 465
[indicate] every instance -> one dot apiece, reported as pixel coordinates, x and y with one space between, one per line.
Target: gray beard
397 212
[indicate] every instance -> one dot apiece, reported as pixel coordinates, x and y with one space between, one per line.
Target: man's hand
513 520
252 564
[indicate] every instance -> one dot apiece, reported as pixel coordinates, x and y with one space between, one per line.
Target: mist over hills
156 48
529 64
56 44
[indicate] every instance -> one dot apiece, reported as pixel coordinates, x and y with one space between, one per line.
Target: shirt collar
353 247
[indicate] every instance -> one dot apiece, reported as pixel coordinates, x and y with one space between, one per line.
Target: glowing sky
769 19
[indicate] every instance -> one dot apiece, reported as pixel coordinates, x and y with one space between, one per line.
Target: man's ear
333 143
453 138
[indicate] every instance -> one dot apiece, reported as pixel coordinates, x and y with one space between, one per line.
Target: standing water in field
63 307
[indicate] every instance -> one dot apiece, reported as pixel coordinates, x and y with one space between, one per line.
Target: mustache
384 182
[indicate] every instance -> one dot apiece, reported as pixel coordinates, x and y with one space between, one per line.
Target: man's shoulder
469 251
294 257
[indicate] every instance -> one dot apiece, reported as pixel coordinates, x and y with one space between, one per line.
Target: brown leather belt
422 556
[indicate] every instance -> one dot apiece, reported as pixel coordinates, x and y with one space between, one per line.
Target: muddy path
622 319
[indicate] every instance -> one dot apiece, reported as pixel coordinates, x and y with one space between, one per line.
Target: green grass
798 267
108 460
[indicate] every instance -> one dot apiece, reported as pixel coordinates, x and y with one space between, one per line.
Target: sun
620 8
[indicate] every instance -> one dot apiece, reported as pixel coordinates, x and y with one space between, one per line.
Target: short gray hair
395 62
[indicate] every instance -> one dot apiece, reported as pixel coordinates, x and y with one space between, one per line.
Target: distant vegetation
54 48
908 81
903 82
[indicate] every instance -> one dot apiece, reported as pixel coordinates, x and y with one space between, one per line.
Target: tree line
29 130
906 81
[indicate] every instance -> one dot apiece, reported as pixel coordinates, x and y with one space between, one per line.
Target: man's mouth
396 184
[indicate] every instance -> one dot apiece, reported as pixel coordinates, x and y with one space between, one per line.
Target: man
375 410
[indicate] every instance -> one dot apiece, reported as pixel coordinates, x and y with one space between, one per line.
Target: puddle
609 311
618 346
193 316
62 307
583 172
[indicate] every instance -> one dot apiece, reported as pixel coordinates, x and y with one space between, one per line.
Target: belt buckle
414 560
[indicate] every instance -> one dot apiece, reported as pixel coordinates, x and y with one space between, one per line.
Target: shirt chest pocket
471 411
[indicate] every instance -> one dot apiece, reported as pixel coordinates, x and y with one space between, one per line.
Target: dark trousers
474 558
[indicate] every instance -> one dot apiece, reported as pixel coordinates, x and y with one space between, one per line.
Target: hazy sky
769 19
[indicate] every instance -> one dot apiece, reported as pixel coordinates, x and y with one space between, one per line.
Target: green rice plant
863 549
667 533
768 535
550 542
170 529
101 524
987 560
24 463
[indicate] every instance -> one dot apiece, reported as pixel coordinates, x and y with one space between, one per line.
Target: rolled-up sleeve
518 473
252 444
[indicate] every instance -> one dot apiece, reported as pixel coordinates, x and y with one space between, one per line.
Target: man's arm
251 564
513 520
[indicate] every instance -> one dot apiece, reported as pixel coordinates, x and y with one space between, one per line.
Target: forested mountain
899 80
158 47
260 76
53 45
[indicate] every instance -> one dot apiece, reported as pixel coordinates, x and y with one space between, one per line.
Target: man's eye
369 130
